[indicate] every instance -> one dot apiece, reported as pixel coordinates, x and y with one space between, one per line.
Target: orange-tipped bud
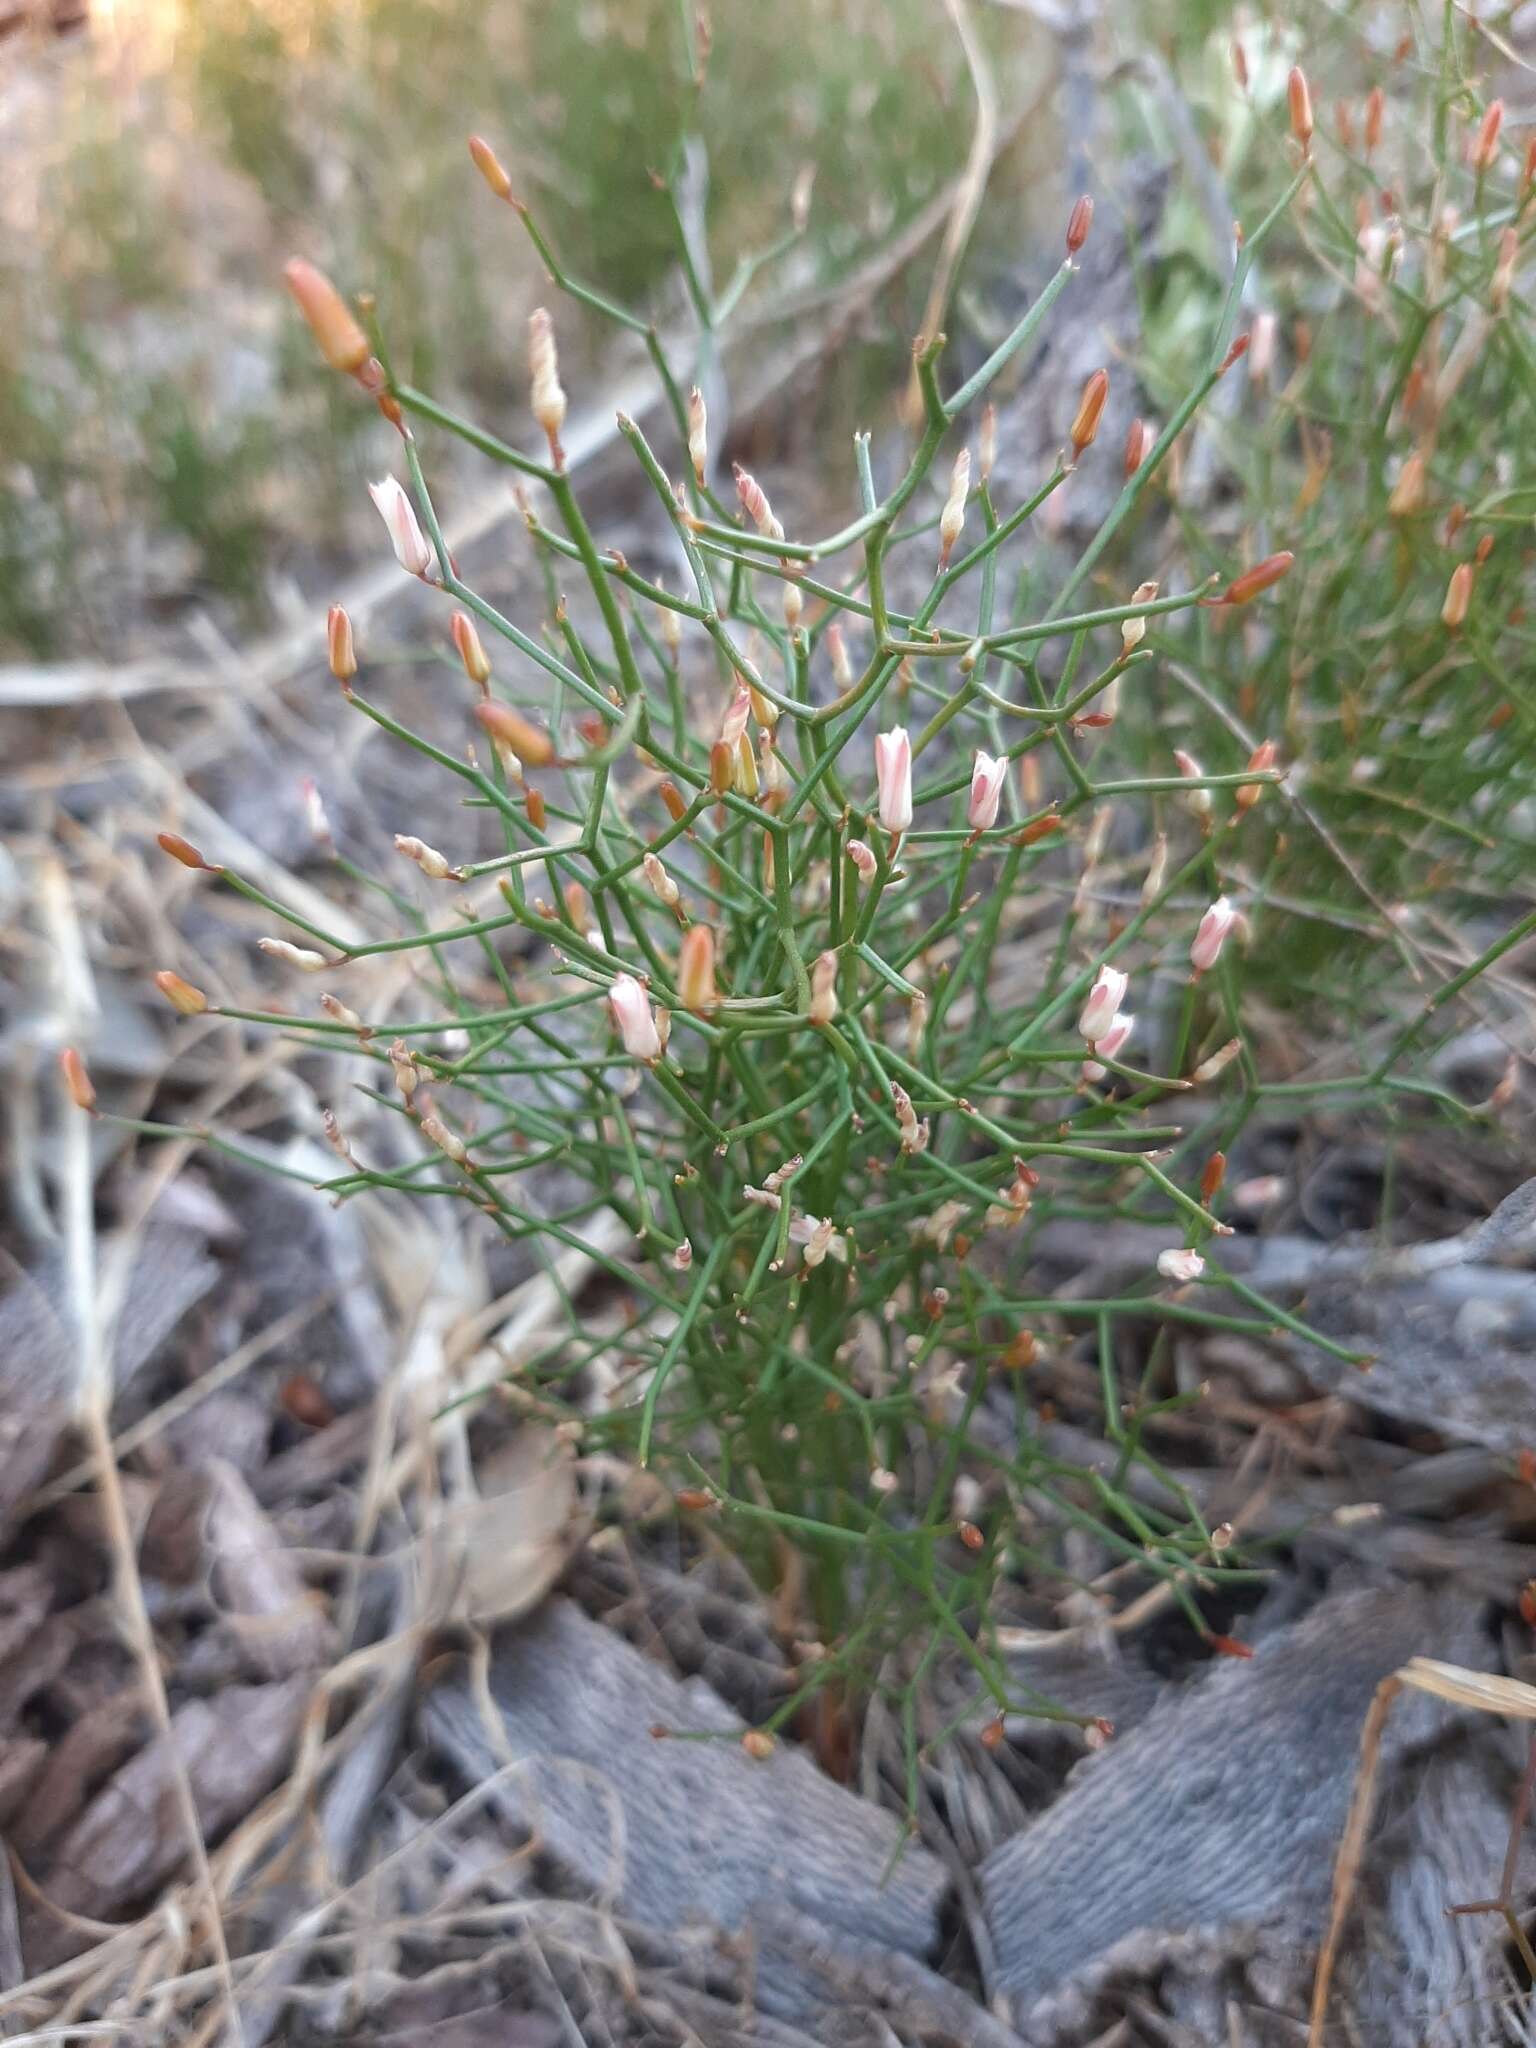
533 804
1375 107
490 167
1079 221
1299 97
471 652
1458 597
546 397
1408 492
181 995
1483 550
342 342
339 644
77 1080
1090 410
1042 828
520 736
1263 576
722 757
1486 147
184 851
698 434
696 970
672 797
758 1744
1260 761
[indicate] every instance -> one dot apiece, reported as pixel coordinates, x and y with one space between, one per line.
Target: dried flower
77 1079
405 534
794 604
181 995
698 434
1180 1265
697 969
913 1134
546 399
952 518
1211 935
339 644
342 342
489 165
893 778
1458 597
1103 1004
530 743
823 1007
631 1008
302 957
863 858
434 865
738 714
1198 799
406 1072
820 1240
337 1010
1090 410
1079 221
471 652
1134 631
988 774
437 1133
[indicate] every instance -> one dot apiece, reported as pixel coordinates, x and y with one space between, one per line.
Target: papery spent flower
1134 631
631 1008
1198 799
546 399
405 534
1176 1264
1106 1047
489 165
661 882
1299 95
181 995
508 728
823 989
863 858
1211 935
1103 1004
698 434
470 650
342 342
1090 410
340 648
338 1011
988 774
303 957
893 778
1458 597
754 502
404 1068
952 518
77 1079
1260 761
737 715
696 970
437 1133
821 1241
434 865
1408 492
913 1133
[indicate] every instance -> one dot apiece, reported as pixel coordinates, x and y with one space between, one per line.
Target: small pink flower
893 778
863 858
1103 1004
631 1008
1180 1265
1212 935
406 536
819 1238
988 775
1107 1046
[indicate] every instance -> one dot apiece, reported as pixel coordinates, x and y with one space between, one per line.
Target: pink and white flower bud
863 859
631 1008
1134 631
754 502
893 778
1103 1005
1107 1046
988 774
1177 1264
546 397
405 534
1212 935
739 711
661 882
837 654
434 865
823 989
1198 800
301 957
450 1145
952 518
698 434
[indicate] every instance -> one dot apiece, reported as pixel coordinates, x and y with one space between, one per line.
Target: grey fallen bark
679 1832
1220 1814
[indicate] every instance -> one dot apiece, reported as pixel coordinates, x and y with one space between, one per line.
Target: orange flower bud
533 803
1090 410
722 758
1138 445
1263 576
489 165
672 797
1263 758
184 851
508 728
1215 1173
1079 221
1299 96
181 995
757 1743
1486 147
1458 597
1375 107
76 1079
696 970
342 342
1483 550
1408 492
339 644
1042 828
470 650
